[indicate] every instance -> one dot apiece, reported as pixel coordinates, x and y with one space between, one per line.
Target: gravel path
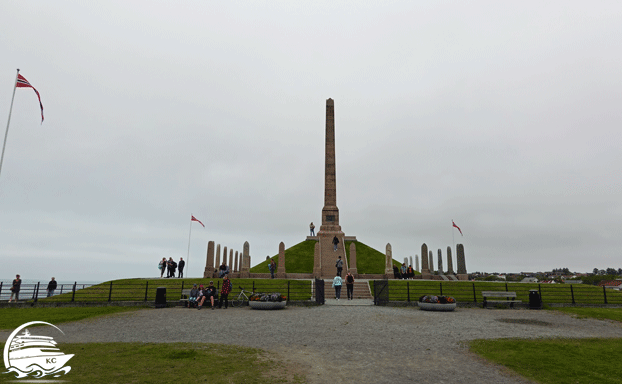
343 343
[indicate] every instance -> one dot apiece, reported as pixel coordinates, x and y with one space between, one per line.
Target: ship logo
28 355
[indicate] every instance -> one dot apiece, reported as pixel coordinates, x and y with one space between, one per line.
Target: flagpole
188 256
452 235
6 134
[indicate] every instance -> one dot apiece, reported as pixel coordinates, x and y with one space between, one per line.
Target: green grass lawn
556 361
596 313
400 290
111 363
11 318
137 289
298 259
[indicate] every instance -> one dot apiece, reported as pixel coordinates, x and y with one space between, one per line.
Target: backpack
174 265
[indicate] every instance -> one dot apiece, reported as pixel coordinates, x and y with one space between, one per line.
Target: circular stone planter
437 306
267 304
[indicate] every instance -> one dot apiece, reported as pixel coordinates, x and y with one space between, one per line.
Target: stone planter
267 304
437 306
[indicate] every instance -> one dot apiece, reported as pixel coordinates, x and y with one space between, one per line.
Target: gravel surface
334 343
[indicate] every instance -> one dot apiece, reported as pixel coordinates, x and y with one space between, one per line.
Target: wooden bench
185 297
510 298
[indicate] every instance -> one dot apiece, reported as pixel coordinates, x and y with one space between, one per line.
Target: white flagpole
452 235
6 134
188 256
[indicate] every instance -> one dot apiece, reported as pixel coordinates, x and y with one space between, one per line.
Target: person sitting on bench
193 296
209 293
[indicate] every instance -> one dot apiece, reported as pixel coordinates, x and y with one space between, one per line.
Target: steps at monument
453 278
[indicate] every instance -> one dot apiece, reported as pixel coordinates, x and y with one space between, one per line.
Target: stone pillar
224 255
450 265
462 271
209 263
406 261
246 261
280 272
330 212
411 261
217 259
388 270
240 262
235 262
440 262
417 263
353 269
231 260
425 265
317 261
431 262
330 227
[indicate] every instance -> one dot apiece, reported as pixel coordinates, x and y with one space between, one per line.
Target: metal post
73 295
540 291
605 294
0 288
288 290
37 294
474 296
441 284
110 292
146 289
408 290
572 294
506 287
253 286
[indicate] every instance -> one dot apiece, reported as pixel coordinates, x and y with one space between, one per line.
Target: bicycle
242 299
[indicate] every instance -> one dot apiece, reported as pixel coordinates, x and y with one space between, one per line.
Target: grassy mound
300 259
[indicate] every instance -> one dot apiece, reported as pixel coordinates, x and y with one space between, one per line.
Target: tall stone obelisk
330 227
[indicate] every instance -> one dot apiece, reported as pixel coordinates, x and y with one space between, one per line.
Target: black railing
412 290
297 290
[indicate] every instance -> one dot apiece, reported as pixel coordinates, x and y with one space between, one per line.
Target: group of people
403 272
338 283
170 266
201 294
16 286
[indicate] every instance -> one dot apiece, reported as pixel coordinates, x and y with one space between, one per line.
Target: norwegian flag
197 220
23 83
455 226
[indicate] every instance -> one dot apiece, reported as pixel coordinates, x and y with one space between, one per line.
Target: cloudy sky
504 117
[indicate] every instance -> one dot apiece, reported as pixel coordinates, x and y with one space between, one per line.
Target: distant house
529 280
611 284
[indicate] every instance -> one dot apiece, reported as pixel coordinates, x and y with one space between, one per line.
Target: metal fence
146 290
472 291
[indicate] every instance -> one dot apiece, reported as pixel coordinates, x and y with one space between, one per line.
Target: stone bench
510 298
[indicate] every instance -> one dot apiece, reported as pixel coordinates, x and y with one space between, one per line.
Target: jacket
337 281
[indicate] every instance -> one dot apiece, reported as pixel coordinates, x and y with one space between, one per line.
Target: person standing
181 265
224 292
350 285
337 281
335 243
312 229
169 266
272 268
51 287
162 266
339 265
403 271
17 283
173 267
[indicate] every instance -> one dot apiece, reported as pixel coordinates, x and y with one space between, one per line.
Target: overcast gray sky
504 117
